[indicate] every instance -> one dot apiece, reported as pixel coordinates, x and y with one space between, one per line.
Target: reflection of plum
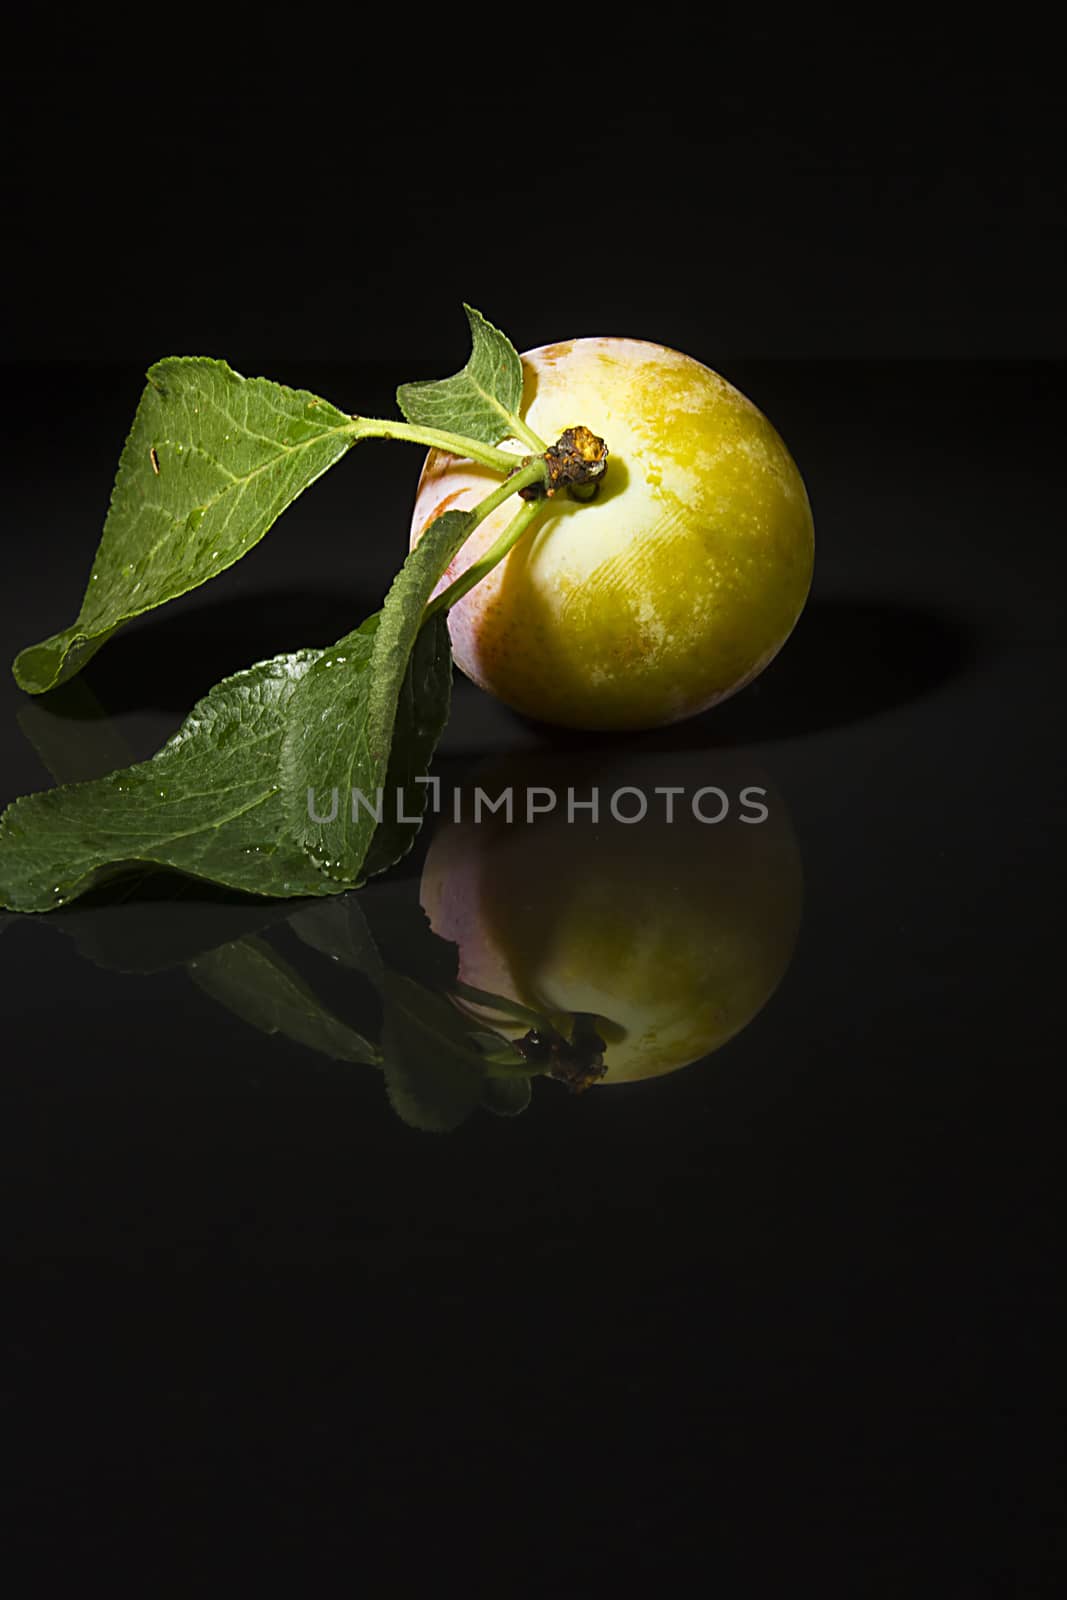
670 936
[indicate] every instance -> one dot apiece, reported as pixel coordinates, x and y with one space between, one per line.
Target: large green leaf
421 714
366 718
226 798
209 803
212 460
480 402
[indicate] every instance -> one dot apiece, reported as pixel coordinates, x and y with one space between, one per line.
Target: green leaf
226 797
209 803
482 401
367 717
421 715
253 982
212 460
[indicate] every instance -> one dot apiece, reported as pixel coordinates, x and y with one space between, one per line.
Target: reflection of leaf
434 1075
491 1044
481 401
507 1096
72 735
436 1066
408 944
152 920
512 1010
338 929
255 984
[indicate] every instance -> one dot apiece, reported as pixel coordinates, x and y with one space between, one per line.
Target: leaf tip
36 669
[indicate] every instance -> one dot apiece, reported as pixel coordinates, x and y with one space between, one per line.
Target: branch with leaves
211 462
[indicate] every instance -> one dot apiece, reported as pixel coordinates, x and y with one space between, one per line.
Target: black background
760 190
782 1319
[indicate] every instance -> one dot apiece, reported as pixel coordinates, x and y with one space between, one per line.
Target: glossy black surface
788 1305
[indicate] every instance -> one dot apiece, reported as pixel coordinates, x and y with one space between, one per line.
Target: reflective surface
809 1269
658 897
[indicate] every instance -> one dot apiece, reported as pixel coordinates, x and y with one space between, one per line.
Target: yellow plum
669 591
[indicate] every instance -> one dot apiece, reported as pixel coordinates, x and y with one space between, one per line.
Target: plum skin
671 590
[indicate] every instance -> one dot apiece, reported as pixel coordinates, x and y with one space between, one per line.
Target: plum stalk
493 556
576 463
435 439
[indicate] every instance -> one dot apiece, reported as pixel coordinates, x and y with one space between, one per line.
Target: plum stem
477 570
435 439
531 473
527 435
